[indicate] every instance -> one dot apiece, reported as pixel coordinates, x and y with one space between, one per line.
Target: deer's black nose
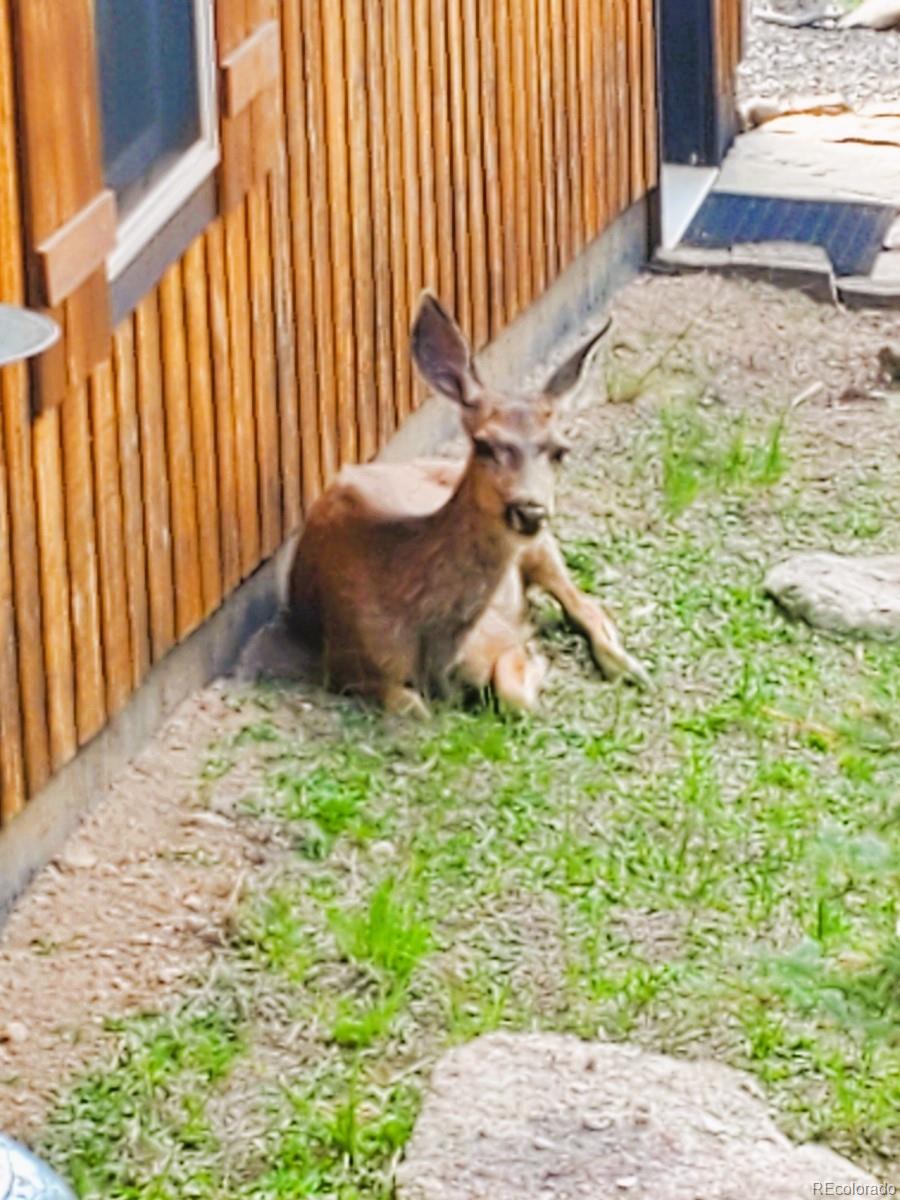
526 517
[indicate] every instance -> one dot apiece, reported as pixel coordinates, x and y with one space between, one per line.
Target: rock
522 1090
15 1033
873 14
77 858
847 595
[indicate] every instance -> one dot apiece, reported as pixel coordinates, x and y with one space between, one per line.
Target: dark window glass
149 90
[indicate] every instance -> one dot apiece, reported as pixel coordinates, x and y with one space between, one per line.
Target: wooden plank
267 122
478 244
265 379
229 505
573 124
493 205
55 596
22 688
250 68
408 131
611 109
622 105
424 87
516 26
12 762
458 137
12 756
550 195
110 542
203 425
532 91
383 227
132 500
242 383
587 115
341 234
301 331
361 210
561 148
87 625
22 695
400 298
635 88
77 249
443 154
155 486
292 470
514 231
651 136
14 401
237 166
321 238
180 455
598 98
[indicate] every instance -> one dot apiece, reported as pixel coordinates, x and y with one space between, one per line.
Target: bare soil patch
128 915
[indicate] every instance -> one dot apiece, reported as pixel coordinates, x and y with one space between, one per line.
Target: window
158 106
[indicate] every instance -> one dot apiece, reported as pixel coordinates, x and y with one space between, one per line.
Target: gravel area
859 64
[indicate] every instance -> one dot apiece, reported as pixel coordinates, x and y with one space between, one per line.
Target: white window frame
169 193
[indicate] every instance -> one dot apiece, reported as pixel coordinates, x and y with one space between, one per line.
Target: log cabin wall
471 146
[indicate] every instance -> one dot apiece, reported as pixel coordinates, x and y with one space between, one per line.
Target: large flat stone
544 1117
848 156
857 596
881 289
784 264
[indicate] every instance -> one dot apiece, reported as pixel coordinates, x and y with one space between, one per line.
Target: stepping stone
544 1117
857 596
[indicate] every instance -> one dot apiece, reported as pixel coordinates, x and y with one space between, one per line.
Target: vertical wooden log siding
12 751
468 146
728 17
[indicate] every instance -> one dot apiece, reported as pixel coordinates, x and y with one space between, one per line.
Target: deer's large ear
442 354
567 377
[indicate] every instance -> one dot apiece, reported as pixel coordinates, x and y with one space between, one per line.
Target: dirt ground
132 910
138 906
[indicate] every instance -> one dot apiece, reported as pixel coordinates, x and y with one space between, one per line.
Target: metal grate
852 235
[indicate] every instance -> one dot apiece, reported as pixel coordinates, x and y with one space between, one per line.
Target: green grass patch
713 868
699 455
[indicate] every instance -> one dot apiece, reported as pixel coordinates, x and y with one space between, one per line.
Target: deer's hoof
619 664
404 702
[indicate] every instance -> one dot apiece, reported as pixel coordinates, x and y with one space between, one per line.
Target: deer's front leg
543 564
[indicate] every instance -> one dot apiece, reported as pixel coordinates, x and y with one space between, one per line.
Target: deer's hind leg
542 564
517 678
353 666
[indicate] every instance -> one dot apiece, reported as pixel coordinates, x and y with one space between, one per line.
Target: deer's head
515 439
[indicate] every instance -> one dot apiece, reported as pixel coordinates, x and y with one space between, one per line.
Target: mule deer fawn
409 575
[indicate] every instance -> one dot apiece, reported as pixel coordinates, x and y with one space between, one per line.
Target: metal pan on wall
24 333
